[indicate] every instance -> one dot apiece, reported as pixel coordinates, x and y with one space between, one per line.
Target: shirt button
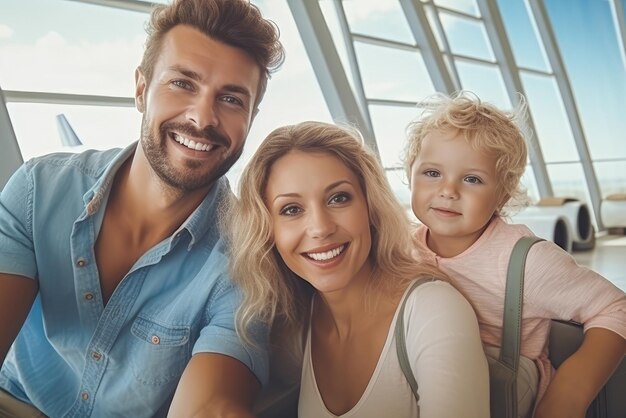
81 262
96 356
89 296
84 396
155 340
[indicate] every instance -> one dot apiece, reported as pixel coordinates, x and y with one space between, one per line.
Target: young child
464 162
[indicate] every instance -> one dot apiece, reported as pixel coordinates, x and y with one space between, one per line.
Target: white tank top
387 394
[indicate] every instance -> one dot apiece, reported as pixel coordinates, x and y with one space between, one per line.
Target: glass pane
294 82
381 19
530 183
332 22
69 47
101 127
400 187
393 74
520 29
484 80
467 6
551 123
97 127
432 16
466 37
390 124
568 180
588 42
611 176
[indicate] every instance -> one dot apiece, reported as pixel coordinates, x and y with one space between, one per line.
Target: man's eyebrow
186 72
234 88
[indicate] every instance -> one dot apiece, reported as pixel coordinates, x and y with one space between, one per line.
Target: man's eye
233 100
290 210
183 84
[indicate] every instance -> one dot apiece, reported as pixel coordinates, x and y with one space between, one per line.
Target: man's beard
189 177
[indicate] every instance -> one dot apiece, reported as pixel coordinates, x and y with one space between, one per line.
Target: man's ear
140 90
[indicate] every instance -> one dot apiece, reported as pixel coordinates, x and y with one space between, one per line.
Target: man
113 276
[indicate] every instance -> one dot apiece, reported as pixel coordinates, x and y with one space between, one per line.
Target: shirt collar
94 196
205 217
201 220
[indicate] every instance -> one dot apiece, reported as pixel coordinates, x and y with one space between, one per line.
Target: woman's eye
431 173
339 198
473 180
290 211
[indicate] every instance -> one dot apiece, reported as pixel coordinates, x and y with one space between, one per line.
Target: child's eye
473 180
339 198
290 210
431 173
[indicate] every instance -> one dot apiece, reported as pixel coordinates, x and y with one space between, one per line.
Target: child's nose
448 191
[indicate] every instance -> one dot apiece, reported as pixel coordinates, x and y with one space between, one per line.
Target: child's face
320 220
454 191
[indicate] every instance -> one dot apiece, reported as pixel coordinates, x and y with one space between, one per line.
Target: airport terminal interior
67 74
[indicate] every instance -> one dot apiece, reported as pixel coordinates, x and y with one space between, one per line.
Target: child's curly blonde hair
486 128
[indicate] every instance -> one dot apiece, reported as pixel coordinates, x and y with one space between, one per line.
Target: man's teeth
191 144
327 255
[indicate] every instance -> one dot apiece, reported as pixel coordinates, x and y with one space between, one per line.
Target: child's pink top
555 287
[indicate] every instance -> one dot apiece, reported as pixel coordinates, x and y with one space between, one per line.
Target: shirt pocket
160 351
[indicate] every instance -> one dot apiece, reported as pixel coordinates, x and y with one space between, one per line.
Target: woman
321 245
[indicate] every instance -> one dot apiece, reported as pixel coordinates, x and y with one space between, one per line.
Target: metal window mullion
387 43
390 102
534 71
458 13
548 39
513 84
447 51
11 156
354 64
132 5
14 96
418 23
327 66
617 11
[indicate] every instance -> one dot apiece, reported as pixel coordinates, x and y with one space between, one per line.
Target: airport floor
608 258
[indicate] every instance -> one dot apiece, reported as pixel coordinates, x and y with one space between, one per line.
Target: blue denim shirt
75 357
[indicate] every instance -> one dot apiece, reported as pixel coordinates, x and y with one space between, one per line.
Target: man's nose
202 112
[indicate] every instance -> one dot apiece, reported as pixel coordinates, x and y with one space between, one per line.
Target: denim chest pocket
160 351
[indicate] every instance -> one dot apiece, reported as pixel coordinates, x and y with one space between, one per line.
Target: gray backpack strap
403 356
512 321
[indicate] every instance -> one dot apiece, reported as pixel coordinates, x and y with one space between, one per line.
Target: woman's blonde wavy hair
271 291
485 128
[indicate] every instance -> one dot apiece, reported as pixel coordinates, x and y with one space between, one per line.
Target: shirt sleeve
446 354
561 289
17 254
220 335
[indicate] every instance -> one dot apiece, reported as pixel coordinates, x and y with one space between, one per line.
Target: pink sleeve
556 287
